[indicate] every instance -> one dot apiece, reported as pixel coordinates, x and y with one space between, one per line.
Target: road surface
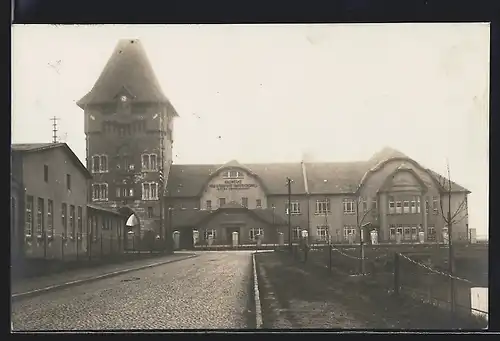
206 292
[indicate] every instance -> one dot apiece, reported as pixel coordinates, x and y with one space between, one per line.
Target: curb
35 292
258 307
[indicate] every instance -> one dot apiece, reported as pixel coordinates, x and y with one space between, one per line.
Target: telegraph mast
54 128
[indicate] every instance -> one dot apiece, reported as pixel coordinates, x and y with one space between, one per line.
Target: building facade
390 193
51 200
129 136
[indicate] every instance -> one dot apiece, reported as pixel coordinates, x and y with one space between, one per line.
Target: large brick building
128 128
390 193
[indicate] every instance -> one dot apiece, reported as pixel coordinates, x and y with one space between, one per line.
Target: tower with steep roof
128 128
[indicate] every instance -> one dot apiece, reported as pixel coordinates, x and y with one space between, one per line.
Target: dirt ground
298 295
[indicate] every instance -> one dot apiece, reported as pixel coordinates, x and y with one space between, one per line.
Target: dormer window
123 98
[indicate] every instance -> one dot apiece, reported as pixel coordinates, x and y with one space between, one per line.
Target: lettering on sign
231 185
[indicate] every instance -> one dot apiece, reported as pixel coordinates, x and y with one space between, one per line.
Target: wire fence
407 272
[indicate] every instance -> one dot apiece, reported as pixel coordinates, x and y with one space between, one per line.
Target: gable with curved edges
403 180
233 189
378 178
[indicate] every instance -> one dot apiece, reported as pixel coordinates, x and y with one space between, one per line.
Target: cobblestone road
209 291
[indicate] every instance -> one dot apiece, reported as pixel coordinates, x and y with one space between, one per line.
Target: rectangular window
244 202
254 232
294 207
322 232
80 220
392 232
64 209
50 218
131 192
399 207
414 233
258 203
209 205
222 202
150 212
418 204
431 233
435 205
322 206
413 205
45 173
296 233
100 192
407 232
374 204
96 163
364 204
210 234
348 206
399 230
39 217
392 205
426 205
150 191
68 182
72 220
149 162
118 192
103 166
29 216
406 206
349 231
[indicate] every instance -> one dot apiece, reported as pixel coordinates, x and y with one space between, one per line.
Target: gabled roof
188 180
39 147
308 177
129 70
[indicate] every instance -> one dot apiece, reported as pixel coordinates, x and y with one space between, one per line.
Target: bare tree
451 218
360 224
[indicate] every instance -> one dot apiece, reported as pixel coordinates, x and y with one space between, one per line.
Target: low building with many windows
389 193
51 201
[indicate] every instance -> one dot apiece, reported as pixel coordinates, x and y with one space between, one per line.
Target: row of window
411 206
46 177
149 191
233 174
41 214
149 163
253 233
411 232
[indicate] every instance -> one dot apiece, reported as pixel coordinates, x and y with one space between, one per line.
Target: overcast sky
270 93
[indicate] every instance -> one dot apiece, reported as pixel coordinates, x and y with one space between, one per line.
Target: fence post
62 246
111 244
101 246
77 242
330 257
396 273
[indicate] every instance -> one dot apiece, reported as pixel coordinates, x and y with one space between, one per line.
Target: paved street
209 291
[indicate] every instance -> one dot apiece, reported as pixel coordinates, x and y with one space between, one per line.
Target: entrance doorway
229 235
186 239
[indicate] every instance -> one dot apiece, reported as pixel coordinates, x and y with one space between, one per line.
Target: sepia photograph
250 177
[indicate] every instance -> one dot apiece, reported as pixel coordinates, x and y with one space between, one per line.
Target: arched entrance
132 228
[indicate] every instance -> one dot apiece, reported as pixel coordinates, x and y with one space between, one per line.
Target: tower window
100 163
149 162
100 192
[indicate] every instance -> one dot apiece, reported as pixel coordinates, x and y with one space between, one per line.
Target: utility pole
54 120
289 184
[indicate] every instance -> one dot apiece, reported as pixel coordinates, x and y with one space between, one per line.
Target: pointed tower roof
128 72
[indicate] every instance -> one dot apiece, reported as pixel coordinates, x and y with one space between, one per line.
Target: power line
54 120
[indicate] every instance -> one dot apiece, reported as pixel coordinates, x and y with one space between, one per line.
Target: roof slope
128 68
39 147
322 177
